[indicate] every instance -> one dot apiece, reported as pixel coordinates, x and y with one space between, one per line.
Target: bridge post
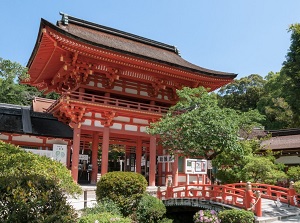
248 196
169 190
158 193
258 207
291 194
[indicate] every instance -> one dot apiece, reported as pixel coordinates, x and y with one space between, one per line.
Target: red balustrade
95 99
242 195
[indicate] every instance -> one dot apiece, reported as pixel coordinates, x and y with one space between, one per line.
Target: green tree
242 94
262 169
291 72
230 164
273 104
11 91
197 126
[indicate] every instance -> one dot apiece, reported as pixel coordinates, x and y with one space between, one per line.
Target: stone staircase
273 211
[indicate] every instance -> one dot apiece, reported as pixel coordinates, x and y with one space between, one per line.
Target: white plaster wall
117 88
122 119
3 137
26 138
131 128
87 122
116 126
131 91
140 121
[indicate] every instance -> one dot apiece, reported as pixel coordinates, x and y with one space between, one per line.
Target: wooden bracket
108 118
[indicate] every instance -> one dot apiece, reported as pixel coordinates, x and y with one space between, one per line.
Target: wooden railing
95 99
242 195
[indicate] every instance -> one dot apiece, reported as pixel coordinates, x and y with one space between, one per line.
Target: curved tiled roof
127 43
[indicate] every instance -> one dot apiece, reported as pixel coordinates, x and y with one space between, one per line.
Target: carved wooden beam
157 85
108 118
72 73
112 74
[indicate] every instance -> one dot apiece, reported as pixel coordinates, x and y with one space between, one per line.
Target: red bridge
241 195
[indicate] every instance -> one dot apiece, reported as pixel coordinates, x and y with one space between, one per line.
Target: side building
113 84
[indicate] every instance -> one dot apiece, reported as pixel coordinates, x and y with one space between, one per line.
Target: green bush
33 198
294 173
297 187
165 220
16 161
104 217
236 216
104 205
123 188
150 209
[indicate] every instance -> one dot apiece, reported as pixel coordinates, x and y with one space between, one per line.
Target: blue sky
238 36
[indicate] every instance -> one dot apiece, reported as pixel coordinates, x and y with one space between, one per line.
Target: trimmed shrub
33 198
124 188
236 216
104 217
14 160
150 209
104 205
165 220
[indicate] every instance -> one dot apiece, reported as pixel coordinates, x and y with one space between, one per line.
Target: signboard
195 166
47 153
165 159
83 157
60 153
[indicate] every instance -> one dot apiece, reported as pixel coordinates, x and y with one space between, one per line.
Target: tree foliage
273 104
11 91
262 169
197 126
291 72
294 173
150 209
123 188
33 198
15 161
242 94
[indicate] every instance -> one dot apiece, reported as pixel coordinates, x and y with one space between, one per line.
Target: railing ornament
248 186
291 185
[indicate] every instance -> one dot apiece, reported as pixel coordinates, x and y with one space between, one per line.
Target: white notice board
195 166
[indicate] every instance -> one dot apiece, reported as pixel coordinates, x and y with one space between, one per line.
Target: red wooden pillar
167 170
152 168
69 155
138 156
175 171
75 155
105 147
95 145
159 168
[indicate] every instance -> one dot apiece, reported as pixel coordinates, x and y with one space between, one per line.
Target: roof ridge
66 19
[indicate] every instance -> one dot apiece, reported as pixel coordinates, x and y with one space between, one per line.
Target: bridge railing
242 195
235 194
273 192
218 193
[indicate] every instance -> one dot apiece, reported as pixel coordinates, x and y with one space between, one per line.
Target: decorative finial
64 19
